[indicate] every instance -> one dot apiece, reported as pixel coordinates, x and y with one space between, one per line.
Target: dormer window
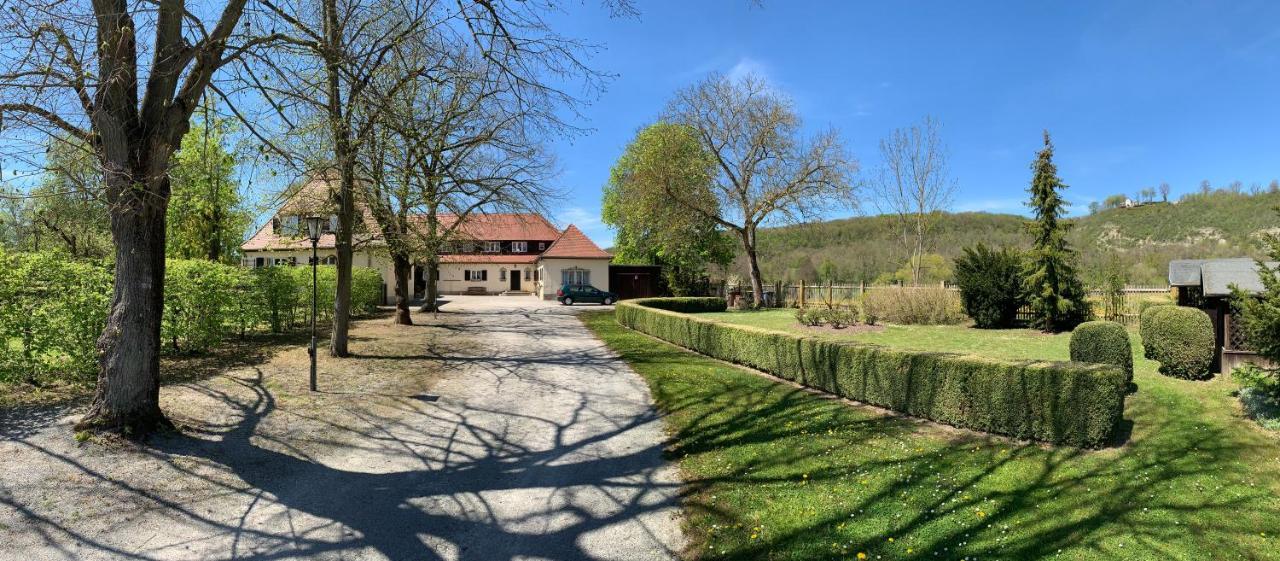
492 247
542 246
519 247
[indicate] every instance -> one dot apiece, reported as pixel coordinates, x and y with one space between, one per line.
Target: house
1206 284
496 253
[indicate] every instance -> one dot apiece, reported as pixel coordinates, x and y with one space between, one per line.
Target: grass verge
776 472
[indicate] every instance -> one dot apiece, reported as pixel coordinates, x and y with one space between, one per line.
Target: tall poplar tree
1055 293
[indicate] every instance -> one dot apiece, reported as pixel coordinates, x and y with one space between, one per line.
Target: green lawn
775 472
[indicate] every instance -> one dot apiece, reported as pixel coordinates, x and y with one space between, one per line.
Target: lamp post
313 232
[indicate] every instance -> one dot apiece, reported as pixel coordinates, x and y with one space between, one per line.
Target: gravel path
500 431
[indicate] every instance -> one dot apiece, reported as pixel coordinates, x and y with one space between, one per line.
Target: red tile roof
502 227
574 244
465 258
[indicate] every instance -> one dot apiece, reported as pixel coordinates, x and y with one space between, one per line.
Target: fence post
801 293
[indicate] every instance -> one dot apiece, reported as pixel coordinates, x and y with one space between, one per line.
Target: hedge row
52 310
1060 403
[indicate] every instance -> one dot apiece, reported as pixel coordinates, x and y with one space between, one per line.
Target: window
575 276
528 275
333 223
475 275
542 246
331 260
519 247
291 226
467 247
502 274
259 262
492 247
282 261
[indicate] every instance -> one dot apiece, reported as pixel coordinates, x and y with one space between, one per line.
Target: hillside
1220 224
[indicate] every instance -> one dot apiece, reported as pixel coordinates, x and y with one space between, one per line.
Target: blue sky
1134 93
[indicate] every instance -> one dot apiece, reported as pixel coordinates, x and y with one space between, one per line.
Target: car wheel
608 302
567 301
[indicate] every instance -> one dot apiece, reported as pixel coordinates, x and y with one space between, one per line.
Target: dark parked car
571 294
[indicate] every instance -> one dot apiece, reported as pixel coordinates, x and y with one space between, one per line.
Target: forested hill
1145 238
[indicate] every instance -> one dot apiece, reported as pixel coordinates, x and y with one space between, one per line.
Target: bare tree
1164 191
765 170
913 186
73 67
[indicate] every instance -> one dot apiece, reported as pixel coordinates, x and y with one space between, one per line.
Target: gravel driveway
500 431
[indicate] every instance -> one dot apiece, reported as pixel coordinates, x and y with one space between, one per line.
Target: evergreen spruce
1054 291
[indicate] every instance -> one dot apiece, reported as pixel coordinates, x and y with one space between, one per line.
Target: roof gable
574 244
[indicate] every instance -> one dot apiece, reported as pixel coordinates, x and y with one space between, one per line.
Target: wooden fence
1125 310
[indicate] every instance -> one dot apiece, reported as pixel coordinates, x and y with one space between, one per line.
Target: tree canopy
652 227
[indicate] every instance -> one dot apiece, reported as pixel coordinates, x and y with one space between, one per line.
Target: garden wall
1060 403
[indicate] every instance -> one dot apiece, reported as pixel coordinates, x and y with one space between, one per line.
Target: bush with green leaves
1103 342
811 317
1181 339
990 282
912 305
1259 318
1145 321
52 311
840 318
1062 403
202 303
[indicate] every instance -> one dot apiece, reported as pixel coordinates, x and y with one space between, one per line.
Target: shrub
1061 403
990 283
840 318
1103 342
811 317
1145 320
52 311
1182 341
917 305
202 303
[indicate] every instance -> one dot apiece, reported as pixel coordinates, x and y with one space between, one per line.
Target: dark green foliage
990 282
1103 342
1260 318
1181 339
1061 403
1145 321
1054 291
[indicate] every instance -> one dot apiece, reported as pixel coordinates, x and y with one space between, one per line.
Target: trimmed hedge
1182 341
1103 342
1060 403
1144 325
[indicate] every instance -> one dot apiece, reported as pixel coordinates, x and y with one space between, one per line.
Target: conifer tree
1055 293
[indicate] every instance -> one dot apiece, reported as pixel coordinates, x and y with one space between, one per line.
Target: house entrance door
515 279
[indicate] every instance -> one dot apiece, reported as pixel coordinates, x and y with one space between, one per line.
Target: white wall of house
551 269
497 279
360 258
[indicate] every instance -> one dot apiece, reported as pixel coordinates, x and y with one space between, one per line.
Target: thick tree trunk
127 398
342 297
757 284
402 270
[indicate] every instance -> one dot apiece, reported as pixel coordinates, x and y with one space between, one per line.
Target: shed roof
1220 274
1185 272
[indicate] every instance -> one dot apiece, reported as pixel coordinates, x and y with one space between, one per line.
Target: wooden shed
1206 284
636 281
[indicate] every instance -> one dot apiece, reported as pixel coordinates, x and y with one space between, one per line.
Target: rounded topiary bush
1105 342
1181 340
1144 325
